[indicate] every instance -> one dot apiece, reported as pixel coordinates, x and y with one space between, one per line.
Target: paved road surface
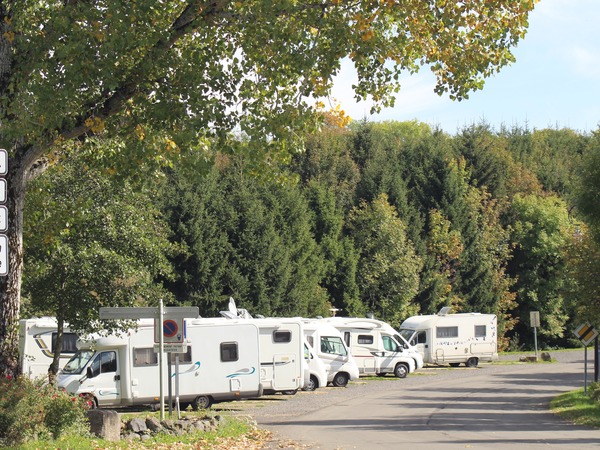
491 407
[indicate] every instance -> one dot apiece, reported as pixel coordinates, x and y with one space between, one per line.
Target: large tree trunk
10 285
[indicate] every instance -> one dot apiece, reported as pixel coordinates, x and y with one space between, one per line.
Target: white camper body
453 338
317 371
377 347
37 342
281 351
282 364
326 341
221 363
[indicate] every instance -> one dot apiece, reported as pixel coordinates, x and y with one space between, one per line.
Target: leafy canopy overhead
158 72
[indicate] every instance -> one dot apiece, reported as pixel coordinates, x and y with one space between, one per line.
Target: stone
546 356
105 424
137 425
153 424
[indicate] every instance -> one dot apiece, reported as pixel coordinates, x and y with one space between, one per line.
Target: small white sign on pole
3 255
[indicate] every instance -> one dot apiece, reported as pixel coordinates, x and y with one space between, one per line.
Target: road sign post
534 319
586 333
173 315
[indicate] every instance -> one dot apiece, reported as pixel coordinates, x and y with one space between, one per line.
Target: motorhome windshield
407 335
333 345
78 362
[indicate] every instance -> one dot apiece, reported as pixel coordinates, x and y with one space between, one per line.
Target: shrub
594 392
32 409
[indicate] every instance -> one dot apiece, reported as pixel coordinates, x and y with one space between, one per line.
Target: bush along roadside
34 409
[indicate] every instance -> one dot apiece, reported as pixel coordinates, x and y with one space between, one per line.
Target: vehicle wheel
201 402
472 362
340 380
312 384
381 374
454 364
289 392
401 370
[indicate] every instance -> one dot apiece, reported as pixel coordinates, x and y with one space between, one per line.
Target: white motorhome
326 341
281 354
284 365
37 344
453 339
377 347
317 371
221 363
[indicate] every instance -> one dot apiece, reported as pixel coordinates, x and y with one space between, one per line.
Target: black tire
401 370
201 402
454 364
289 392
472 362
312 384
340 379
382 374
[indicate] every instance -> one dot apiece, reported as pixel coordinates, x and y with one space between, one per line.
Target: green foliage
90 242
541 231
250 240
33 409
388 267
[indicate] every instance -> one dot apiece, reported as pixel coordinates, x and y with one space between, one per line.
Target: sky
554 83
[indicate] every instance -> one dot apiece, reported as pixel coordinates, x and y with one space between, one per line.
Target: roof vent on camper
445 311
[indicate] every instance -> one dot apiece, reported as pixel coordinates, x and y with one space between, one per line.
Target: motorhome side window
480 331
446 332
104 363
69 343
365 339
144 357
229 351
282 336
422 337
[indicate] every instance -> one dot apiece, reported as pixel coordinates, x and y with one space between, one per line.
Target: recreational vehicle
326 341
281 354
453 339
221 363
37 344
317 372
377 347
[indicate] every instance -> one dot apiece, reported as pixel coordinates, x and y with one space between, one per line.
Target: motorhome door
104 378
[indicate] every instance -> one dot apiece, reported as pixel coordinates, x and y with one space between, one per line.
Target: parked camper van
221 363
317 371
37 344
326 341
281 354
376 347
452 339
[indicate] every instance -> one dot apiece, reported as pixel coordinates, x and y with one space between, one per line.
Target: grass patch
578 408
235 432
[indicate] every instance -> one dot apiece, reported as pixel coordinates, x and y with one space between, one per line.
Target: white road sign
3 218
3 255
3 162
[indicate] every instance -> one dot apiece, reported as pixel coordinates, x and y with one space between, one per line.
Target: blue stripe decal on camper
196 366
241 372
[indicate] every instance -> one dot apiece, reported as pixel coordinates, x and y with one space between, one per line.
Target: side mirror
89 372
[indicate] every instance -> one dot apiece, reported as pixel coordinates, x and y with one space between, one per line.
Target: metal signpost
168 321
586 333
534 320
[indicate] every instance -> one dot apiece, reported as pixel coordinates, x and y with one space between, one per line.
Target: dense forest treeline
389 218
